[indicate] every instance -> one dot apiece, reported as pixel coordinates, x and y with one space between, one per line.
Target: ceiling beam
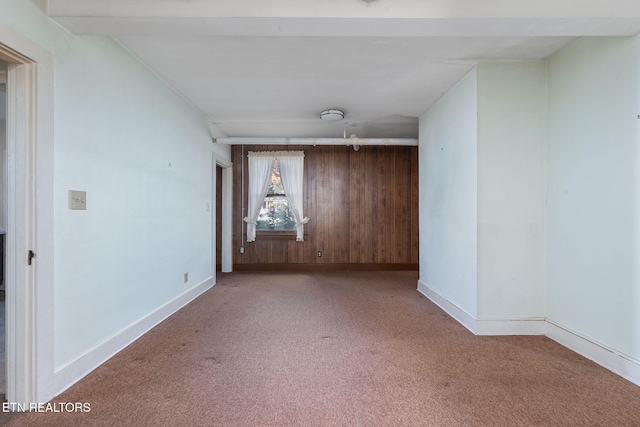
348 27
240 140
433 9
399 18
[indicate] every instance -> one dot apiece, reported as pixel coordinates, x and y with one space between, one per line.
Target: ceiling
266 68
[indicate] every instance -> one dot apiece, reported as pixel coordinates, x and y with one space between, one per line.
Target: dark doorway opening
218 213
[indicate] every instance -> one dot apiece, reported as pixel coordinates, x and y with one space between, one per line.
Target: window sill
276 235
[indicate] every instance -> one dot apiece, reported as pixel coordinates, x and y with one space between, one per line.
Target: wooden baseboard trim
326 267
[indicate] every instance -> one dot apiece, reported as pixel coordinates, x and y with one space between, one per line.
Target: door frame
29 288
227 200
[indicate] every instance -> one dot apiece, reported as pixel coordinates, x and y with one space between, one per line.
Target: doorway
218 205
3 226
28 169
221 242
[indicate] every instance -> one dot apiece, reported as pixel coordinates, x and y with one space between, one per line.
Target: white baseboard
526 326
75 370
467 320
621 364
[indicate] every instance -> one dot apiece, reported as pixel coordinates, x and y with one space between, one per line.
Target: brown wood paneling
340 232
367 209
415 237
355 199
362 206
326 267
401 237
323 201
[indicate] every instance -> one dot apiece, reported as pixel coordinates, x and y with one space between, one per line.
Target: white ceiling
268 67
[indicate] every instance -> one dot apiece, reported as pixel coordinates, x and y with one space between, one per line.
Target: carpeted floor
338 349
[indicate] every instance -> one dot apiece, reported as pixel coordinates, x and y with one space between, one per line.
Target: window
275 190
275 214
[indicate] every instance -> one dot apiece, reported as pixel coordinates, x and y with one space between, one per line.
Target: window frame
289 234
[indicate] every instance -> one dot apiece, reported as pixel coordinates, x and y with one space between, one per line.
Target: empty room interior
350 212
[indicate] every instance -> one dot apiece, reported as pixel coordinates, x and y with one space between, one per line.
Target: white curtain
292 172
260 164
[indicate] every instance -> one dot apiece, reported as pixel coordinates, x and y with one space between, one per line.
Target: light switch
208 207
77 200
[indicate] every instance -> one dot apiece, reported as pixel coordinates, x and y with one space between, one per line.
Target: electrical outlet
186 277
319 254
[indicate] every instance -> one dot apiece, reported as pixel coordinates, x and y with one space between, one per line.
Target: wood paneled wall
362 205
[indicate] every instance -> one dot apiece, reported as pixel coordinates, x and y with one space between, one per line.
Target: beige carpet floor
338 349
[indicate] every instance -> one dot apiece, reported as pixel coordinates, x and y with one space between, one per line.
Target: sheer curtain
292 172
260 163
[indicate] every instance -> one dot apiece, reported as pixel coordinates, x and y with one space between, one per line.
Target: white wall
558 200
3 152
511 141
143 154
448 196
3 168
593 236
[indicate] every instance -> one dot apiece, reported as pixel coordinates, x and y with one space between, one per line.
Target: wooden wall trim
325 267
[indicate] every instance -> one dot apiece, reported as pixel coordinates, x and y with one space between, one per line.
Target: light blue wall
593 211
511 149
448 196
558 192
482 175
144 157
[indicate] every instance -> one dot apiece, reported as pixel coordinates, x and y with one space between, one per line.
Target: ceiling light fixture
331 115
